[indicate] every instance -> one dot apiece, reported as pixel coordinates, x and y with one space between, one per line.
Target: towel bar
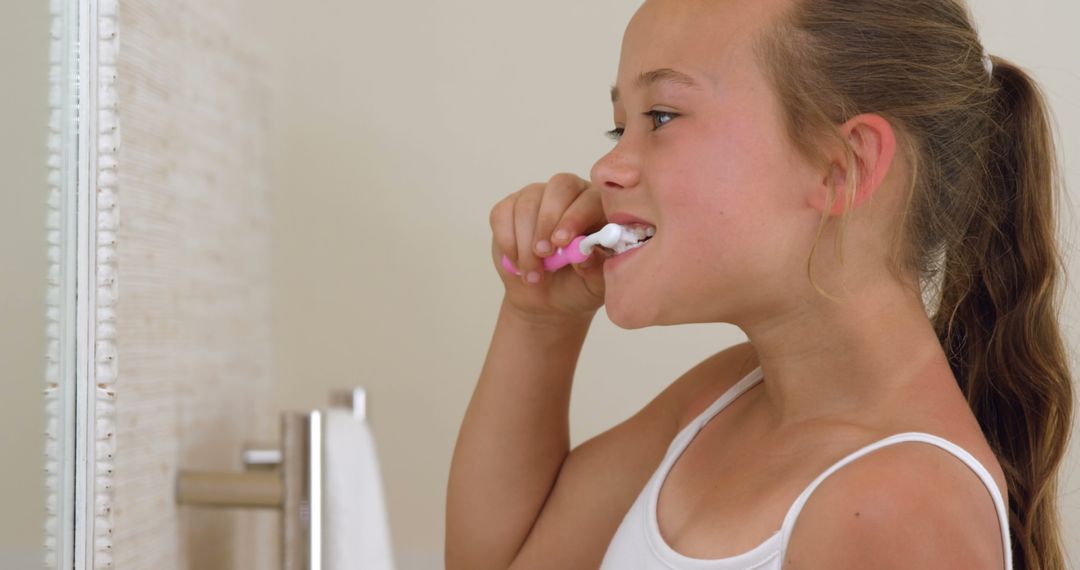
288 478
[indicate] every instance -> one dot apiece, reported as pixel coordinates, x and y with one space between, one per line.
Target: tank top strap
956 450
718 405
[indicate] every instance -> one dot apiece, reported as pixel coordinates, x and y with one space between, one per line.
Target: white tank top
637 543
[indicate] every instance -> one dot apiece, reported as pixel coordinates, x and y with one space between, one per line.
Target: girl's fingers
502 229
539 212
585 213
562 190
525 208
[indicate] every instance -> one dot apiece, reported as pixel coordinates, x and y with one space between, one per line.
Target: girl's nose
615 170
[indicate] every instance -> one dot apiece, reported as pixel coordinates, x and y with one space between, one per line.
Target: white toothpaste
618 238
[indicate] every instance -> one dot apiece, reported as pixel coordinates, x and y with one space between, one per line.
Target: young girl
810 167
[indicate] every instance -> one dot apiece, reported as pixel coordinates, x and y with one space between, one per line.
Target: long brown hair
979 219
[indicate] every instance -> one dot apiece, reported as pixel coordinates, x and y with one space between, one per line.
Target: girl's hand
522 222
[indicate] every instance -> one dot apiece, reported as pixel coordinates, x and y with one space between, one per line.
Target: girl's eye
616 134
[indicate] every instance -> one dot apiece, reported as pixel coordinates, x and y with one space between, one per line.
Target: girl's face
708 165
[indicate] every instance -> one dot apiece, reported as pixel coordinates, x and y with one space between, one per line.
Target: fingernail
543 246
562 235
533 277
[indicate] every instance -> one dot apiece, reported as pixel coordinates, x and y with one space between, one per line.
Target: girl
811 168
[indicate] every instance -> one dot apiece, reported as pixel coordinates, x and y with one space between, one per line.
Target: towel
356 531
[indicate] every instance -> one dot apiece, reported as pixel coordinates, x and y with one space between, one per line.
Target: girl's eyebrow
662 75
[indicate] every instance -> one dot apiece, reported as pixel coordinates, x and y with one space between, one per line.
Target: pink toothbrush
613 236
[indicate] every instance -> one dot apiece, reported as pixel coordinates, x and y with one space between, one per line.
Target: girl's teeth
636 238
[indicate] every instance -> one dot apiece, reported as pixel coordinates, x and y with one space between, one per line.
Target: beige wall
397 129
193 251
24 119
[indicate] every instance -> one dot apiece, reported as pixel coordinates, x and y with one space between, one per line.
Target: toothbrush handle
562 256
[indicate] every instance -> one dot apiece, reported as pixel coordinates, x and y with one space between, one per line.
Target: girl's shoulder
903 494
946 415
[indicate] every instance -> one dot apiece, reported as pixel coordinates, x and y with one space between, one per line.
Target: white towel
356 531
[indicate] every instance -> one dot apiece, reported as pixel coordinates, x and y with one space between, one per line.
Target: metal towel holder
288 478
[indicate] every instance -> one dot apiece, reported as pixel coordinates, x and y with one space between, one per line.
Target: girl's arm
513 439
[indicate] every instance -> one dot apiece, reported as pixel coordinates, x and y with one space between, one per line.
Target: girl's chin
625 312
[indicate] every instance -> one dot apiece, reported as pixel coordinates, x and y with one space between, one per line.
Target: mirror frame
81 366
61 285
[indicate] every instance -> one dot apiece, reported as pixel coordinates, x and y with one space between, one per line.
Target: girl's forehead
711 37
684 66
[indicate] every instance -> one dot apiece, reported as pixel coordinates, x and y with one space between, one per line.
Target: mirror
38 236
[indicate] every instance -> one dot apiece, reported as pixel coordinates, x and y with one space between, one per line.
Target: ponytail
998 317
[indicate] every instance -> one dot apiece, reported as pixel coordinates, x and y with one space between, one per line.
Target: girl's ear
872 139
